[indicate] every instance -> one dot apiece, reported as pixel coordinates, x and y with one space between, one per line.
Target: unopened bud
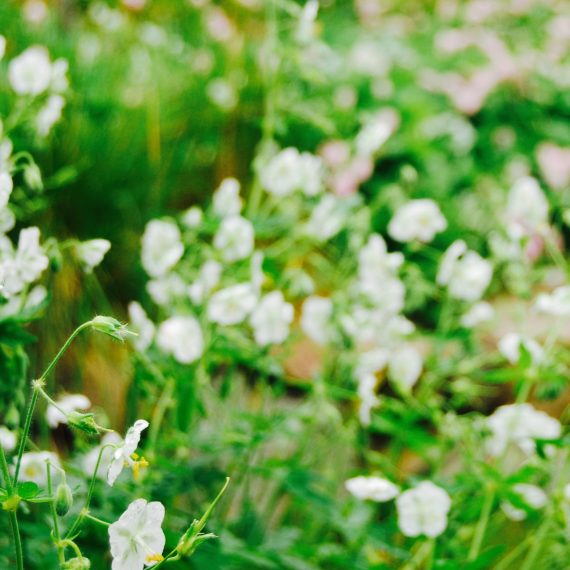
63 499
83 422
112 327
33 177
77 564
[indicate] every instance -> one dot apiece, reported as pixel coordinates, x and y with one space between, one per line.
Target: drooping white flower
30 72
375 489
161 247
8 439
418 220
271 319
289 171
141 325
182 337
65 405
137 539
227 201
92 252
533 496
405 367
327 218
510 347
49 115
423 510
519 425
234 238
527 209
556 304
465 273
232 305
316 318
123 455
479 313
6 187
33 466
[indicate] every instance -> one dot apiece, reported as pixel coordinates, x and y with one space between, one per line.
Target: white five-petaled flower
137 539
65 405
125 456
480 312
30 73
556 304
227 201
182 337
327 218
33 466
231 306
405 367
271 319
161 247
92 252
418 220
8 439
141 325
423 510
316 318
234 238
372 489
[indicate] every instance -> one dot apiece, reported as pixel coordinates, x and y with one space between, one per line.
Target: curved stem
482 525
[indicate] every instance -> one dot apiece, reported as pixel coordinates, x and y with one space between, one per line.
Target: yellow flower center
138 464
154 558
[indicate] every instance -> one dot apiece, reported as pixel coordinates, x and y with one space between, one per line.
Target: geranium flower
125 456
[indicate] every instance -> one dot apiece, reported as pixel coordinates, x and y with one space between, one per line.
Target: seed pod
63 499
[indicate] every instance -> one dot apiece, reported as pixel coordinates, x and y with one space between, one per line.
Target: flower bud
33 177
63 499
77 564
83 422
111 326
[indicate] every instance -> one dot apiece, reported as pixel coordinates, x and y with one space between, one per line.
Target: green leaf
28 490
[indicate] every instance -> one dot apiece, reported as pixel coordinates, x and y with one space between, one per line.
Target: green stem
60 550
14 528
95 519
482 525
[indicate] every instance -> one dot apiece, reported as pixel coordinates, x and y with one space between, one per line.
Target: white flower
510 347
316 318
2 46
256 271
161 247
8 439
520 425
65 405
226 198
423 510
372 361
92 252
368 399
374 261
327 219
291 170
49 114
372 489
556 303
89 460
33 466
235 238
271 319
182 337
374 134
167 288
137 539
527 209
208 279
124 455
231 306
405 367
59 82
30 73
465 273
6 186
192 217
141 325
418 220
479 313
533 496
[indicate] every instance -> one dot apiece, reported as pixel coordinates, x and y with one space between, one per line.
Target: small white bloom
533 496
479 313
556 304
465 273
166 289
123 455
2 46
30 72
231 306
235 238
368 399
327 219
372 489
141 325
423 510
271 319
92 252
192 217
33 467
6 186
510 347
182 337
316 318
8 439
65 405
161 247
256 271
405 367
372 361
418 220
373 135
49 114
226 198
207 280
527 209
137 539
520 425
